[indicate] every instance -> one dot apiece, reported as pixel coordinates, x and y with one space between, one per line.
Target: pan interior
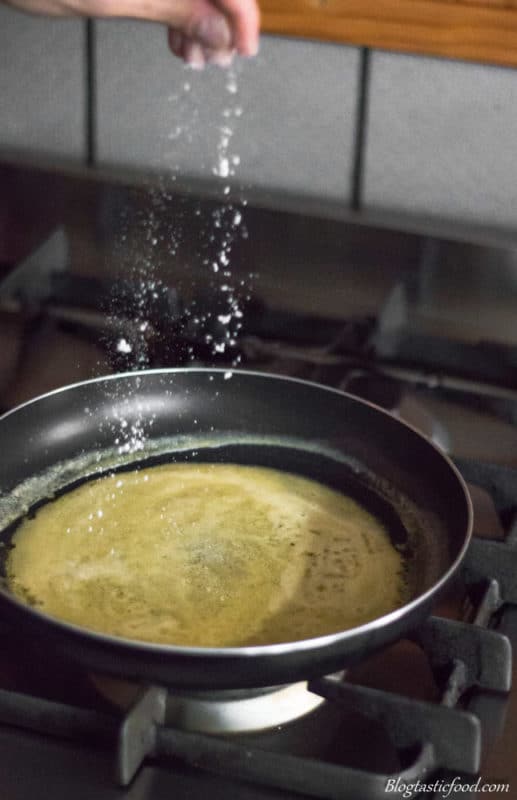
395 513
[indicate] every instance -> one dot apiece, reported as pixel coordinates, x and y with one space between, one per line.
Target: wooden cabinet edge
476 30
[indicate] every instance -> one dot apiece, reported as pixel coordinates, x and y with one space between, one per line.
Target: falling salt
227 375
226 225
217 244
223 168
231 84
123 346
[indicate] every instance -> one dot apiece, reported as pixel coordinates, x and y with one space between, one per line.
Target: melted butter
208 555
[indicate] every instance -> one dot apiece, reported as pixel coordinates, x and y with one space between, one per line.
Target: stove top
410 322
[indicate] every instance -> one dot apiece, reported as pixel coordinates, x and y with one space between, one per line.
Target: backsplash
442 139
438 141
289 114
42 86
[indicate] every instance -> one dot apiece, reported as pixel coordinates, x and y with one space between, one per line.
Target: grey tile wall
291 112
442 140
42 85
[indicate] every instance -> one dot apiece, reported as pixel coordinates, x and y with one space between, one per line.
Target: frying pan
243 417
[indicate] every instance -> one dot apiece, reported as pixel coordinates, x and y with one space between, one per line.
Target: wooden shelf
477 30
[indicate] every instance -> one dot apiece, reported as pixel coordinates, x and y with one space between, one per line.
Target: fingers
175 39
219 27
244 16
222 58
212 29
194 54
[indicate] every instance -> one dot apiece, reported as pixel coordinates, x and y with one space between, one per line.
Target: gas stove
412 322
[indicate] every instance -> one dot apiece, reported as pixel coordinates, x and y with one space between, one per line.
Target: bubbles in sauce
208 555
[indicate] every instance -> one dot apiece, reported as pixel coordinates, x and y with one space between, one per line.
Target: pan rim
253 651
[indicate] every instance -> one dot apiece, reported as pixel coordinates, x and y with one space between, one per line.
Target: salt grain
123 346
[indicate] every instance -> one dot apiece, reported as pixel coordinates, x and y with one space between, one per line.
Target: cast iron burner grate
471 663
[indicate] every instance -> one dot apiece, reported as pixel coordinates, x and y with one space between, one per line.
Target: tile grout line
91 95
361 124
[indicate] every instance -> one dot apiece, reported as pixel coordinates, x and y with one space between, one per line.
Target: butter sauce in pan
207 555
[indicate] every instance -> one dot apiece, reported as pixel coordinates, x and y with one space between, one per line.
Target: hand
214 30
200 31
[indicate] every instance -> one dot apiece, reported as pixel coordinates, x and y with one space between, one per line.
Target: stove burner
223 713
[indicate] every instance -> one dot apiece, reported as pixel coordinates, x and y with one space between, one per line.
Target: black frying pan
246 418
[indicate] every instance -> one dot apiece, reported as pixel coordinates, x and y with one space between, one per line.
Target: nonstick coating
411 477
